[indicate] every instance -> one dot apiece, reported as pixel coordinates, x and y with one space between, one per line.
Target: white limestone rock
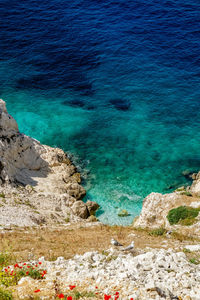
46 183
118 270
192 247
156 207
154 210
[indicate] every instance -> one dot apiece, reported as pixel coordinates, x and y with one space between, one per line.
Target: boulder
79 208
92 207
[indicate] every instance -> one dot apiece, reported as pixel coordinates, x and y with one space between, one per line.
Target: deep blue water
114 83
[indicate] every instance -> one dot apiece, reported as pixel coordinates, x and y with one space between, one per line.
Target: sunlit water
115 84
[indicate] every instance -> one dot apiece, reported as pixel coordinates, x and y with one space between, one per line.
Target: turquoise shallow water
115 85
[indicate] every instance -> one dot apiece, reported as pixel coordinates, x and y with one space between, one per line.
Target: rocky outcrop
156 207
92 207
38 174
195 187
156 274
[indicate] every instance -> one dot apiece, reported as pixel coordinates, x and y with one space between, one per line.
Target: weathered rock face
156 207
195 187
47 171
92 207
154 210
24 160
80 209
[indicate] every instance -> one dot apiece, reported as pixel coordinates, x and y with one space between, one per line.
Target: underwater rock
123 213
189 174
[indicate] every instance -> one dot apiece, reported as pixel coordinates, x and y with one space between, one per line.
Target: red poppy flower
72 287
37 291
16 266
61 296
39 263
24 264
107 297
69 298
27 272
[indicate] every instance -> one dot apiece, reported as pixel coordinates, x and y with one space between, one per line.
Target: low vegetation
158 231
183 215
5 295
194 261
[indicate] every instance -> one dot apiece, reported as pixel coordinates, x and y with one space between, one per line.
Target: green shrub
194 261
157 232
5 295
181 213
33 273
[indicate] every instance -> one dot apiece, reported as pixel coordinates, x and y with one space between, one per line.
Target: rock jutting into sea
38 183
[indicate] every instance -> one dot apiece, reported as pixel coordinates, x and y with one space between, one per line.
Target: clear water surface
114 83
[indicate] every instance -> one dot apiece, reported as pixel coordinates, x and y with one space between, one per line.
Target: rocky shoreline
40 187
38 183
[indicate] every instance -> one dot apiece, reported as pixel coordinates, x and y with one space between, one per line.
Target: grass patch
194 261
188 221
5 295
181 213
185 250
182 237
157 232
2 195
80 295
5 259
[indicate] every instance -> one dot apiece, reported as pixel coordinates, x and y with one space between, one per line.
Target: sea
116 84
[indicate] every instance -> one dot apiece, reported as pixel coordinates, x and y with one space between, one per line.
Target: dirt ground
66 241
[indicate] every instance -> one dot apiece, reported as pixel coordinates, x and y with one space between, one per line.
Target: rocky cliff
38 183
156 208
